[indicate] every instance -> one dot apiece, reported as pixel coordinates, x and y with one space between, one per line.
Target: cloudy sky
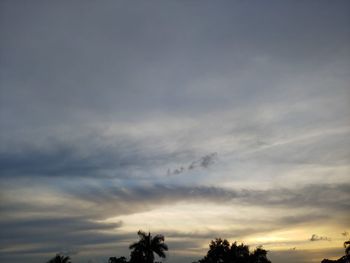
194 119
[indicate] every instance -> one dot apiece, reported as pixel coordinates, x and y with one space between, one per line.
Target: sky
191 119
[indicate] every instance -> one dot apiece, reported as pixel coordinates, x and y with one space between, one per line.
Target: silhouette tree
137 256
143 251
343 259
117 260
220 251
347 247
260 256
239 253
59 259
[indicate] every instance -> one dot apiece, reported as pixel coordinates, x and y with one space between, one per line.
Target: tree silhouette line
343 259
220 251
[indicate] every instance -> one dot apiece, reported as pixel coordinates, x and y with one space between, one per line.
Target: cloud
48 236
203 162
116 199
315 237
123 157
41 230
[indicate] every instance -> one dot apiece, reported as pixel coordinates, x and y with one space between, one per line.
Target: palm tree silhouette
144 249
59 259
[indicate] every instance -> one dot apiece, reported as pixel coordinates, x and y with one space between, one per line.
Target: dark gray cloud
313 195
53 235
203 162
43 228
84 158
330 196
106 59
107 200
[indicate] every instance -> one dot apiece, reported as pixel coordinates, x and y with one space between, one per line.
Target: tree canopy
117 260
59 259
220 251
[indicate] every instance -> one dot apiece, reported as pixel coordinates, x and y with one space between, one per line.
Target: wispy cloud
203 162
315 237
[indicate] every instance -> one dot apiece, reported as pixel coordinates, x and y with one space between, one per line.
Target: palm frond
160 252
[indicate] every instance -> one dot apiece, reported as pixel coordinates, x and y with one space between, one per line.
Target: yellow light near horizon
202 222
182 217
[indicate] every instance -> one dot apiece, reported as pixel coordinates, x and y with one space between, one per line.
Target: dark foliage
220 251
347 247
117 260
343 259
59 259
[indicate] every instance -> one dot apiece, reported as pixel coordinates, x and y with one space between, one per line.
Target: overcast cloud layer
194 119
